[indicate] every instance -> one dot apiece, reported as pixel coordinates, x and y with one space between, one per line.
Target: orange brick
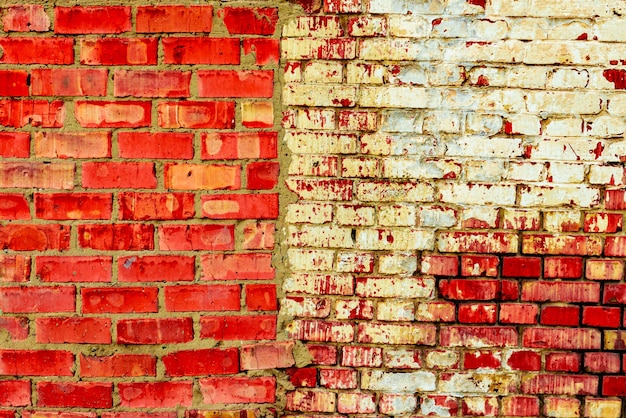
155 19
73 144
202 177
188 114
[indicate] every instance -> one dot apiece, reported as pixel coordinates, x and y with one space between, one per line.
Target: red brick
338 378
603 222
524 360
161 268
209 298
614 385
120 300
214 51
36 363
478 337
118 365
75 394
21 112
305 377
197 114
440 265
228 390
258 327
478 265
518 313
240 206
120 114
521 267
573 292
562 338
138 415
13 83
342 6
470 289
322 354
95 19
73 144
563 362
14 268
266 51
261 297
14 144
58 414
481 359
602 362
16 329
478 313
561 244
159 145
73 330
562 267
74 269
232 83
211 237
203 362
160 206
615 246
118 51
115 175
262 175
257 115
480 406
156 394
520 406
202 177
26 18
11 414
14 207
615 199
37 299
73 206
15 393
24 237
154 331
608 269
33 50
560 384
37 175
239 145
129 237
602 317
249 21
156 19
560 315
69 82
253 266
148 83
275 355
260 236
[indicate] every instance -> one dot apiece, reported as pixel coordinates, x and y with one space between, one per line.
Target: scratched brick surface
456 246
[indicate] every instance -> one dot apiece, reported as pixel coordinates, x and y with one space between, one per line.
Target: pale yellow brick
355 215
562 221
395 310
442 123
319 284
416 168
570 30
357 73
313 26
476 146
476 382
605 126
319 236
575 149
408 26
398 96
524 124
317 48
396 287
293 72
395 239
313 165
566 173
530 28
320 142
310 260
397 263
368 26
552 8
484 171
607 175
449 27
360 167
504 51
481 215
319 95
564 127
528 77
397 215
322 119
447 75
484 100
352 261
323 72
478 194
568 78
611 29
561 407
314 213
488 29
415 75
559 195
616 103
603 408
441 359
393 49
492 76
526 171
378 191
401 144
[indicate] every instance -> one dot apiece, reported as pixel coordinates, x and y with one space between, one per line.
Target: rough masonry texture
434 229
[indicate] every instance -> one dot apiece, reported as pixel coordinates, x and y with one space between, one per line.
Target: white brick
397 263
611 29
526 77
313 165
397 215
526 171
570 30
551 8
493 76
395 239
566 149
605 126
316 119
320 143
402 121
484 215
391 48
355 215
564 127
314 213
568 78
348 262
442 122
408 74
481 124
478 147
446 75
477 194
559 195
488 29
437 216
396 404
402 7
319 236
416 168
449 27
566 173
398 96
394 287
381 191
395 310
529 28
558 102
313 26
401 144
310 260
524 124
397 382
408 26
319 95
323 72
484 171
607 175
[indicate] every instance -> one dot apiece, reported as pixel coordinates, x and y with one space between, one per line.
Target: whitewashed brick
408 382
437 216
408 26
569 30
355 215
397 404
442 359
305 307
323 72
446 75
442 122
523 124
500 383
314 213
527 77
319 95
564 102
357 73
558 195
605 126
401 144
526 171
484 171
368 26
319 284
488 29
348 262
313 165
408 74
398 96
320 142
395 310
397 263
485 147
569 78
416 168
566 173
402 359
395 239
379 191
319 236
316 119
562 221
310 260
313 26
564 127
449 27
477 194
417 7
481 124
607 175
360 167
397 215
394 287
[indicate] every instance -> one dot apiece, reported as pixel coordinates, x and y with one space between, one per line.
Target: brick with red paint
604 269
240 206
37 50
563 362
27 237
236 145
482 360
21 112
560 315
15 393
229 390
212 237
113 175
524 360
266 51
258 327
561 244
209 298
477 313
73 144
14 144
113 114
305 377
94 19
562 267
521 267
171 394
614 294
16 329
69 81
249 21
258 236
601 316
470 289
614 385
14 83
154 330
338 378
562 338
14 207
37 299
436 312
477 336
75 394
118 365
188 50
138 206
128 237
440 265
166 18
157 268
63 330
479 265
262 175
64 206
118 51
603 222
158 145
602 362
119 300
149 83
615 199
555 384
26 18
204 362
572 292
518 313
202 176
274 355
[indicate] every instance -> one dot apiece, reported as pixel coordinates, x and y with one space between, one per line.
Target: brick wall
449 237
